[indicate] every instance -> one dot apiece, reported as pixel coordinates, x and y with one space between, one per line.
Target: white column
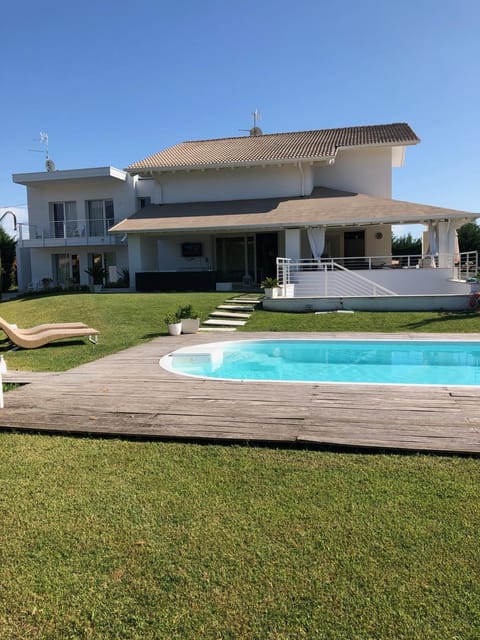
134 257
292 244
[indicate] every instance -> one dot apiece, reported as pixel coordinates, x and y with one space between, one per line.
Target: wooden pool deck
129 395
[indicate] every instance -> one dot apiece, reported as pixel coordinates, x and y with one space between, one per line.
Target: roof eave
229 165
404 143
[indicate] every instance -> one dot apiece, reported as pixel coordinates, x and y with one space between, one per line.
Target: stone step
217 329
233 323
229 314
235 307
243 301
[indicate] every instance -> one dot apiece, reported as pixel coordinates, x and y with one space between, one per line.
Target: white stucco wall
121 192
378 246
170 253
399 281
359 170
228 184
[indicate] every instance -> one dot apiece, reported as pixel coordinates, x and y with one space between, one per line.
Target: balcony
70 233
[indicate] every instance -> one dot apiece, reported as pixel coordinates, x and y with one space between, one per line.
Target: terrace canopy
326 207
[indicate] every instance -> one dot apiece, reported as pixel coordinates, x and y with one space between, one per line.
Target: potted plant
270 285
97 273
190 319
174 324
47 283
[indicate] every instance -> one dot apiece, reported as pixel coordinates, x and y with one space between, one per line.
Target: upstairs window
100 216
63 219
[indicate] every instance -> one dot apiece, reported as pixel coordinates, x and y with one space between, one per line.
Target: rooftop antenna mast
255 130
49 163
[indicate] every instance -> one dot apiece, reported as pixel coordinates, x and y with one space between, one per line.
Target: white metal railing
341 277
325 278
467 265
83 231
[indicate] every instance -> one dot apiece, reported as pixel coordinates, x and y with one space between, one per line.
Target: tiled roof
275 147
325 206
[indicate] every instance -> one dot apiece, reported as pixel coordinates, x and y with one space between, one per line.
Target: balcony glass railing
82 230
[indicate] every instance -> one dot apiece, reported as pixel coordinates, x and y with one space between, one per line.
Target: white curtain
316 237
432 242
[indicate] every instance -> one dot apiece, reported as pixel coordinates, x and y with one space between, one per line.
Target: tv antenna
49 163
255 130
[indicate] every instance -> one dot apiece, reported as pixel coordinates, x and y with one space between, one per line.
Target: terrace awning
324 207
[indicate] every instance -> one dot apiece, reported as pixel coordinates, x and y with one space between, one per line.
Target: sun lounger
38 337
45 327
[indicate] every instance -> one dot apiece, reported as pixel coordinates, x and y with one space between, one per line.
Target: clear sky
112 82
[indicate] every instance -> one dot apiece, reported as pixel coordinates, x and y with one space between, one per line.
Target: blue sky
112 82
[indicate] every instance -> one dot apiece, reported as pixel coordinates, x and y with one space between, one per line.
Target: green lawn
392 321
115 539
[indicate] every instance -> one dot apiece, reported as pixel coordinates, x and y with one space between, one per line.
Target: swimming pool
423 362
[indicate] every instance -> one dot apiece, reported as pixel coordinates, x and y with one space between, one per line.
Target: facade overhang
324 207
42 177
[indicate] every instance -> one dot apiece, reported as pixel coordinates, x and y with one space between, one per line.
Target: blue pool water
375 361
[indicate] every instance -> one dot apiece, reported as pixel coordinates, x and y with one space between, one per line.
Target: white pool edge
166 360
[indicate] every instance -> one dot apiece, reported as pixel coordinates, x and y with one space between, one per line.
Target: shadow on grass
6 346
282 445
446 317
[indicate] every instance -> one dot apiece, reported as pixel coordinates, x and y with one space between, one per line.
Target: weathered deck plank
129 394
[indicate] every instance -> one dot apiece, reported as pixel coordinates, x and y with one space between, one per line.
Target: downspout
302 179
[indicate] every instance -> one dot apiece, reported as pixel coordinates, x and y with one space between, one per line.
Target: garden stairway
233 313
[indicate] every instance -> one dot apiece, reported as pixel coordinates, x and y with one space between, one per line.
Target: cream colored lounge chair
44 327
28 339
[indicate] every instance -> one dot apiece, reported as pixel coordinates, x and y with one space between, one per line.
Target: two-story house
211 213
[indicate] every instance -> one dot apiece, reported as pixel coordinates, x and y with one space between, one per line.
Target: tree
469 237
7 259
406 245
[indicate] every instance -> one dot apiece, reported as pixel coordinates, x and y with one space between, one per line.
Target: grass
132 540
139 540
386 321
125 320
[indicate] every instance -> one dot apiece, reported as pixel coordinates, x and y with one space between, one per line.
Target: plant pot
175 329
190 325
272 293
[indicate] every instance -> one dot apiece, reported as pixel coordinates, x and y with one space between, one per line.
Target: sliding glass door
235 258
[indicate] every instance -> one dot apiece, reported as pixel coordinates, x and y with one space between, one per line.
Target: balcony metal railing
467 266
82 231
340 276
